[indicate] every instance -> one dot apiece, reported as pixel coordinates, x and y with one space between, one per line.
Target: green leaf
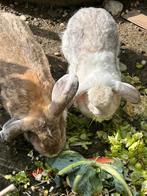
20 178
106 167
115 174
64 159
86 181
144 188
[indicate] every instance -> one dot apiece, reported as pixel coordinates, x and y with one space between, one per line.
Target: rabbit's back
90 30
24 82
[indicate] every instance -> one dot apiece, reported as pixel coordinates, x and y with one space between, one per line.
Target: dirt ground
47 23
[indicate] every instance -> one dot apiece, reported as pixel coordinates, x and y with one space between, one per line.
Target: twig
8 189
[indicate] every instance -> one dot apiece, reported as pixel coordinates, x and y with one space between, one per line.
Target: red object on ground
36 172
102 159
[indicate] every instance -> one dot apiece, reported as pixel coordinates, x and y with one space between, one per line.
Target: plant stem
106 167
76 182
72 166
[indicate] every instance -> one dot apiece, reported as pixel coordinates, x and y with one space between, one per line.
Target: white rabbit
90 44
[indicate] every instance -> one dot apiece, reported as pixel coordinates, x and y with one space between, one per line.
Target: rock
114 7
61 24
57 54
143 62
23 17
35 20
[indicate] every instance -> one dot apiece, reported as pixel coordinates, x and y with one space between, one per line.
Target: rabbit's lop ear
63 92
14 127
128 92
10 129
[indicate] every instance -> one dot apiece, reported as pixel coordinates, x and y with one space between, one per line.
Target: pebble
33 188
143 62
23 17
51 189
114 7
61 24
57 54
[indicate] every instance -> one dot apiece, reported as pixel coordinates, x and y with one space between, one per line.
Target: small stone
12 5
143 62
114 7
61 24
57 53
14 172
35 19
23 17
51 189
33 188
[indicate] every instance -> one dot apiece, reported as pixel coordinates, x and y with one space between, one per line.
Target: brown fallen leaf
136 17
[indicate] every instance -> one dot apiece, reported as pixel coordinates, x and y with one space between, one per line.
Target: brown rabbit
28 92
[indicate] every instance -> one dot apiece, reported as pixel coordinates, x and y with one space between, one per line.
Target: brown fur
26 88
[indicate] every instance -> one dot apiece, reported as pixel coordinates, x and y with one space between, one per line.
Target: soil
47 23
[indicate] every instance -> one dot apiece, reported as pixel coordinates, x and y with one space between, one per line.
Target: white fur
98 69
91 46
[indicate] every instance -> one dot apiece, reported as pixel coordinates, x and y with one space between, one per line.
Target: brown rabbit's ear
63 92
128 92
11 129
14 127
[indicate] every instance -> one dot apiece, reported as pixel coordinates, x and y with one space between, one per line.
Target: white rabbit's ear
127 91
63 92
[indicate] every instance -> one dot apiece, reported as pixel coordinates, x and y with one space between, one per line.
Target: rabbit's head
49 136
101 102
51 133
